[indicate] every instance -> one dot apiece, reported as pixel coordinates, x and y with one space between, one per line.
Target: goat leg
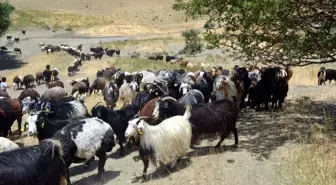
102 160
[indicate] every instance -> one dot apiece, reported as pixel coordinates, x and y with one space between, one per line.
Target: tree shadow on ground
9 60
90 180
165 171
263 132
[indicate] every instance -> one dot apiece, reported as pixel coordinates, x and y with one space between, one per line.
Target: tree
193 43
5 11
295 32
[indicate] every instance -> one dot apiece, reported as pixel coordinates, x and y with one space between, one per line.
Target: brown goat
55 84
30 92
148 109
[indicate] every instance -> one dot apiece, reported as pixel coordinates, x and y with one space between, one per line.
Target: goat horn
144 117
97 104
167 98
137 114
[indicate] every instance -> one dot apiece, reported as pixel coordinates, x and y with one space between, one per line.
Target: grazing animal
83 140
126 94
30 92
35 165
206 118
17 82
326 74
23 32
118 119
279 93
79 88
16 39
192 97
111 94
44 126
166 142
28 81
9 37
17 50
54 93
98 55
3 48
57 83
10 110
98 84
39 77
7 145
224 88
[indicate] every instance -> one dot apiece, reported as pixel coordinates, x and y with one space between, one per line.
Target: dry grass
59 60
313 160
144 42
56 20
307 75
310 164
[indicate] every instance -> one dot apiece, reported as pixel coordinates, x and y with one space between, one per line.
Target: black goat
207 118
118 120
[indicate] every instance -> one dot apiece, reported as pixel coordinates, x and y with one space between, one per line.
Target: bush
193 42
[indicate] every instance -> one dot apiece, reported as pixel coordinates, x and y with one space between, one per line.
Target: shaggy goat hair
207 118
118 120
166 142
35 165
82 140
192 97
7 145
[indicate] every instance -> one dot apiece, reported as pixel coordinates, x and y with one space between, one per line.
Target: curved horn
144 117
97 104
167 98
137 114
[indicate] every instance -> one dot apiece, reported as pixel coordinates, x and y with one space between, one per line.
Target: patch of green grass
140 42
55 20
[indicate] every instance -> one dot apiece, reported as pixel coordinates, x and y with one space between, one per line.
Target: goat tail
54 145
187 112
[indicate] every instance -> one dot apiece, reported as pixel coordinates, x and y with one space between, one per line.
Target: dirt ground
262 135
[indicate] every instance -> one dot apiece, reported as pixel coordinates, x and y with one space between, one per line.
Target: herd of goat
163 113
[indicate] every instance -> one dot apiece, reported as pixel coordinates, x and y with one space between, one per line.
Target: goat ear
165 105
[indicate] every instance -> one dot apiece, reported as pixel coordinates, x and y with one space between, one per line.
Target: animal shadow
80 169
165 171
209 150
90 180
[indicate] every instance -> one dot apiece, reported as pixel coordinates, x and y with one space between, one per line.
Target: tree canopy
5 11
294 32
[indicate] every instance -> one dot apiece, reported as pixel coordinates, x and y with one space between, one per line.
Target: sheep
34 165
83 140
166 142
7 145
207 118
17 82
98 84
17 50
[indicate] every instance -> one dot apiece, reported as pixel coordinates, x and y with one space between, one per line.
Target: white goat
7 145
169 140
225 88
